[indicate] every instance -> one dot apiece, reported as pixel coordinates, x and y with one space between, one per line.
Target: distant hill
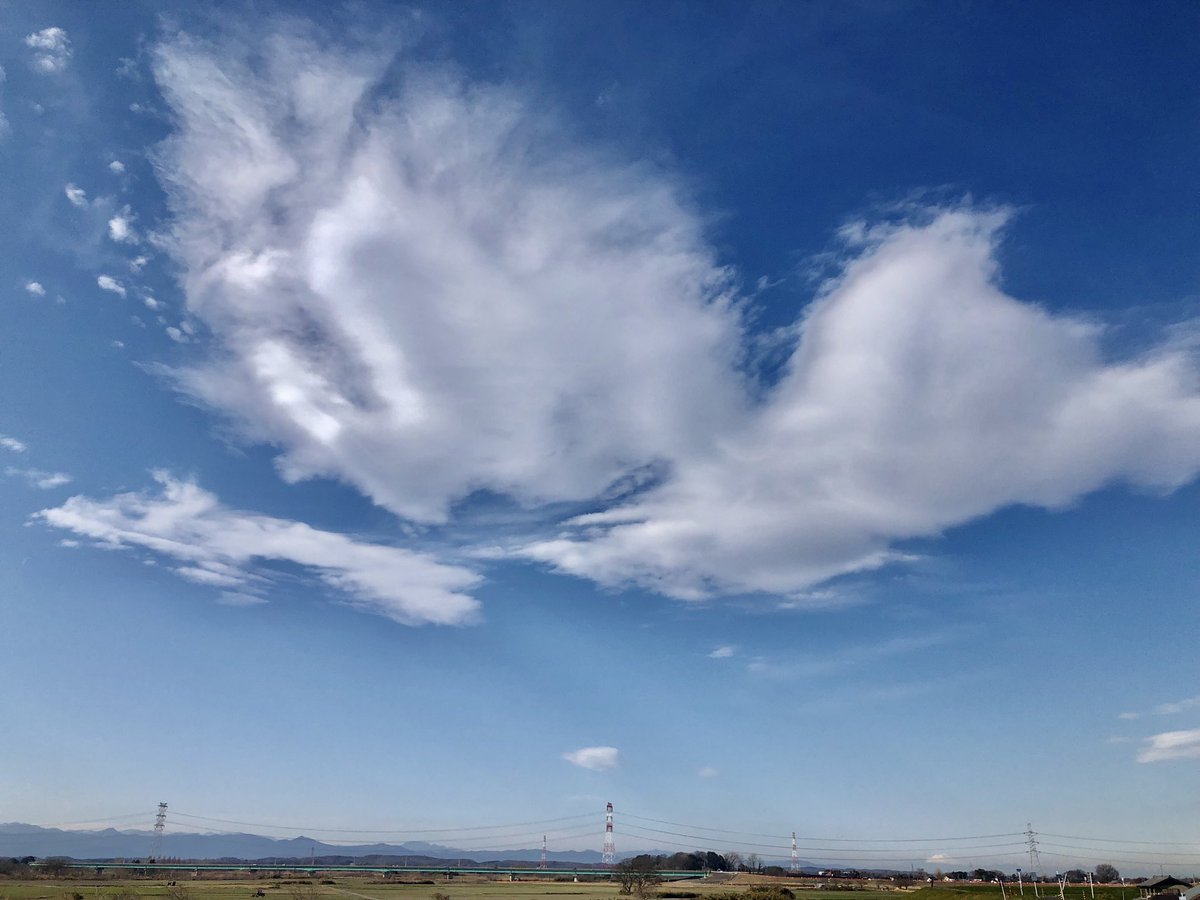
20 839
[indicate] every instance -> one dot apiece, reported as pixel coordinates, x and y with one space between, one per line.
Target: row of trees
1103 874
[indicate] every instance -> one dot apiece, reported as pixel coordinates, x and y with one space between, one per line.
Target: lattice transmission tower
1035 861
795 854
543 865
160 822
610 850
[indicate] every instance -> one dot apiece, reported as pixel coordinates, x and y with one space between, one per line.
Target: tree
715 861
753 862
733 861
1074 876
637 875
1107 874
56 865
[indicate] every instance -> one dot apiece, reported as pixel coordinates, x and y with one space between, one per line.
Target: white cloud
707 772
215 545
116 167
11 443
120 228
1171 745
435 293
1170 709
919 397
240 598
119 345
1129 716
108 283
138 263
459 301
151 303
77 195
723 652
39 479
176 335
35 288
127 68
51 49
598 759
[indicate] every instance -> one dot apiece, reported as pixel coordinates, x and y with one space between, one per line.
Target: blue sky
765 417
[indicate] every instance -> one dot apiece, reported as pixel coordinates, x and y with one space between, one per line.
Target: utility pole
1020 883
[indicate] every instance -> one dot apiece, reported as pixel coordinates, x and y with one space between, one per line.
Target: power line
413 831
933 840
1074 837
933 844
98 820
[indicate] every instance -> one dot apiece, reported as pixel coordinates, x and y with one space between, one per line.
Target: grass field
480 888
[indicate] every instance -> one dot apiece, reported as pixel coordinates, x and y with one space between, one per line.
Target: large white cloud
424 291
215 545
919 396
431 294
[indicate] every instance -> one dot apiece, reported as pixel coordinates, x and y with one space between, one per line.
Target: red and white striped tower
795 854
610 851
543 851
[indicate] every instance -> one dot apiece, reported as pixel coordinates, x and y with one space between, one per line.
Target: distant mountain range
19 839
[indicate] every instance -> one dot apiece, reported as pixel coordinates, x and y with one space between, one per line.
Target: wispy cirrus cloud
1170 745
4 126
723 652
1170 709
212 544
39 479
598 759
366 321
11 443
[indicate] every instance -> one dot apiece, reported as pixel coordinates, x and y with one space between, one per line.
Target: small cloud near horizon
723 652
598 759
1171 745
1170 709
